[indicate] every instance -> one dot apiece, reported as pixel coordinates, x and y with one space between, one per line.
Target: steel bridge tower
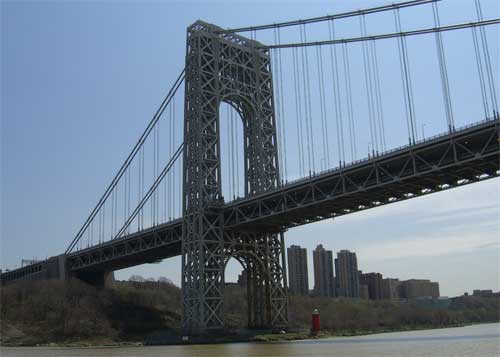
222 67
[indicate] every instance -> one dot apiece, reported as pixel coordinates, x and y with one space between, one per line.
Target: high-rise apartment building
374 283
390 289
242 279
298 280
363 292
323 272
346 272
418 288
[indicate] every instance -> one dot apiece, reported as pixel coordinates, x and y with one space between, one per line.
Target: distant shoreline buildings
340 277
324 282
298 282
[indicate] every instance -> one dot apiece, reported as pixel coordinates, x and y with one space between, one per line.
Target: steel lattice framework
232 69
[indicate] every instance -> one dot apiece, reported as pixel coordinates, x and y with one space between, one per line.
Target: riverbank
54 313
474 341
297 336
230 338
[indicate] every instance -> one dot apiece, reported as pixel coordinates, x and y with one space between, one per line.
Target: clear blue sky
80 80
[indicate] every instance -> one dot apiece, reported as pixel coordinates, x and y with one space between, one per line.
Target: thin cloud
429 246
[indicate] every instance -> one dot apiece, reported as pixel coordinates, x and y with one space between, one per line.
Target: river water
478 340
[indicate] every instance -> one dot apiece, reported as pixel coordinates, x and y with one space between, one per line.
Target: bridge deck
465 156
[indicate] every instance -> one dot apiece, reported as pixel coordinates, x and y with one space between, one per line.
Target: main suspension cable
423 31
344 15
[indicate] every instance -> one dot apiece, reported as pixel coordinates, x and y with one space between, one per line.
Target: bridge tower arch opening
232 150
222 67
236 302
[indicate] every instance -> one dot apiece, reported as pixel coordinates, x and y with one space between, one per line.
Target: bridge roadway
465 156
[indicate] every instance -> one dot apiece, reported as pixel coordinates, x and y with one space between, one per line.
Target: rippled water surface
479 340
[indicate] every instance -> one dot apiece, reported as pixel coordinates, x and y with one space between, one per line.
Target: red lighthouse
315 323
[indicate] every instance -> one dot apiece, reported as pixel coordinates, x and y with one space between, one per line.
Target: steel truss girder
458 158
226 68
149 245
479 161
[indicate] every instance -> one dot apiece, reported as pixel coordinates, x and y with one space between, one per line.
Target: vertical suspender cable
487 60
152 202
277 106
442 69
155 194
307 102
236 145
173 151
170 153
410 90
143 181
404 77
129 185
311 133
283 117
180 187
165 181
153 198
103 238
378 96
125 186
112 213
322 115
99 227
336 93
157 209
321 106
115 208
139 181
479 64
174 205
298 110
369 90
239 147
348 89
233 152
334 90
229 149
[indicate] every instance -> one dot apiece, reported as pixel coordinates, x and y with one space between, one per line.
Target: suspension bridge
256 137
